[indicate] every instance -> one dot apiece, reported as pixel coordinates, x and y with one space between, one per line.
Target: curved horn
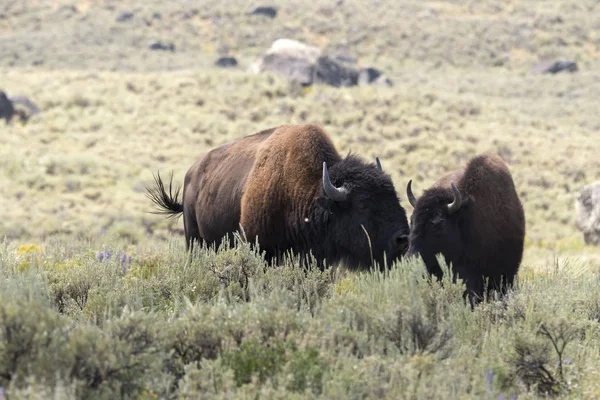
411 197
335 194
378 163
457 202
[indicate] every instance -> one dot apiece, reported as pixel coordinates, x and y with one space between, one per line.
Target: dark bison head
436 225
361 207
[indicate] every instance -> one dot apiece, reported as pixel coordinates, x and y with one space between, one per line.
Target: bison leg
192 233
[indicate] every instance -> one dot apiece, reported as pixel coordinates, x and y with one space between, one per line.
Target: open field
72 181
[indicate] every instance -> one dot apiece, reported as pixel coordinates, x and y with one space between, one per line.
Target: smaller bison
474 218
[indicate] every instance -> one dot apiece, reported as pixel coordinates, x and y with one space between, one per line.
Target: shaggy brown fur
271 184
484 239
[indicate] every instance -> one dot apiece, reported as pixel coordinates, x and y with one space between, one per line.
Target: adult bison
477 224
289 187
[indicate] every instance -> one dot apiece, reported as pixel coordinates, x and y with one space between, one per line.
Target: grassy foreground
148 322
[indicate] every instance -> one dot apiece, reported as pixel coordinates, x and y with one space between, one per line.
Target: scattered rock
307 65
267 11
226 62
332 73
20 106
291 59
587 208
371 76
6 107
158 45
25 102
554 67
124 16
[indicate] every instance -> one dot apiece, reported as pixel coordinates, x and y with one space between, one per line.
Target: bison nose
399 242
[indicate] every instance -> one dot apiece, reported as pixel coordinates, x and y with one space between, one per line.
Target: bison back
285 178
214 186
497 220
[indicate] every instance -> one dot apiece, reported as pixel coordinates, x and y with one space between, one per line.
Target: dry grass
114 111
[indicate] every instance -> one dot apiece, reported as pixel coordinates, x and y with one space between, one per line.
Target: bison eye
437 219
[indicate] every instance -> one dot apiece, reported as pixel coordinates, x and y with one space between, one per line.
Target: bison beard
288 188
474 218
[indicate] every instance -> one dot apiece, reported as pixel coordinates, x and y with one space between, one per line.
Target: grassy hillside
115 111
72 182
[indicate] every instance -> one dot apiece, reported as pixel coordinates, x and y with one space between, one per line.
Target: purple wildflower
125 262
104 255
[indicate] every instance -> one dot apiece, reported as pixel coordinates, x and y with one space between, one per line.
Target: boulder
554 67
307 65
124 16
370 76
267 11
7 109
158 45
587 208
226 62
20 106
291 59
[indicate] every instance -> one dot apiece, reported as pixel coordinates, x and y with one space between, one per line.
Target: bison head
436 225
363 214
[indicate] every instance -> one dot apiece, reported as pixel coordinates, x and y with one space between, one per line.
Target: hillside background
115 111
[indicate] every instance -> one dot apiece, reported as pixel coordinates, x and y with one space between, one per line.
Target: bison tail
166 203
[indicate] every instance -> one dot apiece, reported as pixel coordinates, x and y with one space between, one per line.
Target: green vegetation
223 324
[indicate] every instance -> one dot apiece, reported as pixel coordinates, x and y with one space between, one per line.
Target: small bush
254 359
192 338
307 370
414 334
